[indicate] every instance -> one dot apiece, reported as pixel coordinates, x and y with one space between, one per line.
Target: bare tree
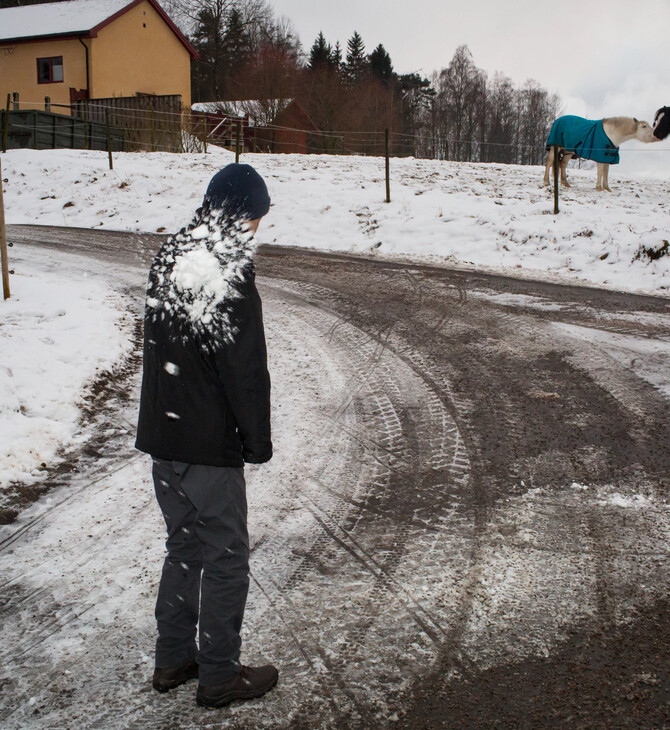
462 85
325 98
441 118
270 79
473 119
501 121
537 111
225 33
188 12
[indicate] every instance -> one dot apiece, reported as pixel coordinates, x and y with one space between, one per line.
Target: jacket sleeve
242 366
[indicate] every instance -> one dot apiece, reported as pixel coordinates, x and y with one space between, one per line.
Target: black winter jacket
206 393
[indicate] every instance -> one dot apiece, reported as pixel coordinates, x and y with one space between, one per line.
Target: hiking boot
167 678
248 683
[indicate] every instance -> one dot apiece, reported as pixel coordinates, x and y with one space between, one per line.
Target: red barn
272 125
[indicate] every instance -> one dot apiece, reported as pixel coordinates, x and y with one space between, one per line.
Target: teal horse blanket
585 137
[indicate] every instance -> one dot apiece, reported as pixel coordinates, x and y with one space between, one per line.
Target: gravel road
468 523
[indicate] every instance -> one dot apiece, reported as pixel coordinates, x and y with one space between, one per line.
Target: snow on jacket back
205 387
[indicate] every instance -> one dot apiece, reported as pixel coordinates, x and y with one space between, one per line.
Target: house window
50 70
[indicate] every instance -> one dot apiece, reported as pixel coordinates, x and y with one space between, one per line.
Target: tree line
352 96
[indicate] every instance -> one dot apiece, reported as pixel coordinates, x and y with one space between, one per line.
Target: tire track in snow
392 447
492 488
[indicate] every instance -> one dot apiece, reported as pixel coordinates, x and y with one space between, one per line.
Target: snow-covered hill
483 215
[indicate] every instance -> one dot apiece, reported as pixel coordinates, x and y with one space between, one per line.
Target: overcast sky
603 58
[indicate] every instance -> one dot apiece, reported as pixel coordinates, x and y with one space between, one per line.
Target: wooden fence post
5 126
237 140
3 242
388 167
204 134
86 139
556 164
109 140
15 100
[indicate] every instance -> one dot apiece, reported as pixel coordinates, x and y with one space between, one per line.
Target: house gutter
88 81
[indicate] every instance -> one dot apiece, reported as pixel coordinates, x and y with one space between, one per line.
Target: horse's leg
606 175
549 164
599 176
567 156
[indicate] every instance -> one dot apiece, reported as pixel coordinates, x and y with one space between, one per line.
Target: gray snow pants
205 576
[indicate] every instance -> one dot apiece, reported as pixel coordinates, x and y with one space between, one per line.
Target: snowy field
488 216
59 331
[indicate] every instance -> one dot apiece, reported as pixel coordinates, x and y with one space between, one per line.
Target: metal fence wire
161 124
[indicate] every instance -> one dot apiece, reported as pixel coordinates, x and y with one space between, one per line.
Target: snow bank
490 216
55 334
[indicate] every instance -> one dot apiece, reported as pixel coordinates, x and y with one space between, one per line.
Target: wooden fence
38 130
152 123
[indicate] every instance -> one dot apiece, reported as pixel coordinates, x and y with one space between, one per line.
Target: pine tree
380 64
320 55
417 97
237 50
236 40
357 64
337 57
211 69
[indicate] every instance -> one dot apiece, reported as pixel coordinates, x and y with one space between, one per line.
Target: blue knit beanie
239 191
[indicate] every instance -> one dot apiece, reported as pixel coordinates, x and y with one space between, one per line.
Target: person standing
204 413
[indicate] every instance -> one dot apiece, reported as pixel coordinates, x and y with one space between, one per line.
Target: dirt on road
485 505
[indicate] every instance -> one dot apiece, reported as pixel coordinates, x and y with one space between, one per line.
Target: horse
597 140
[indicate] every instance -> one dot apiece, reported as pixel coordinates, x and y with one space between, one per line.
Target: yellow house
92 49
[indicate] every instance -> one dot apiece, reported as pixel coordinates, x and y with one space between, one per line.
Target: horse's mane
625 125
